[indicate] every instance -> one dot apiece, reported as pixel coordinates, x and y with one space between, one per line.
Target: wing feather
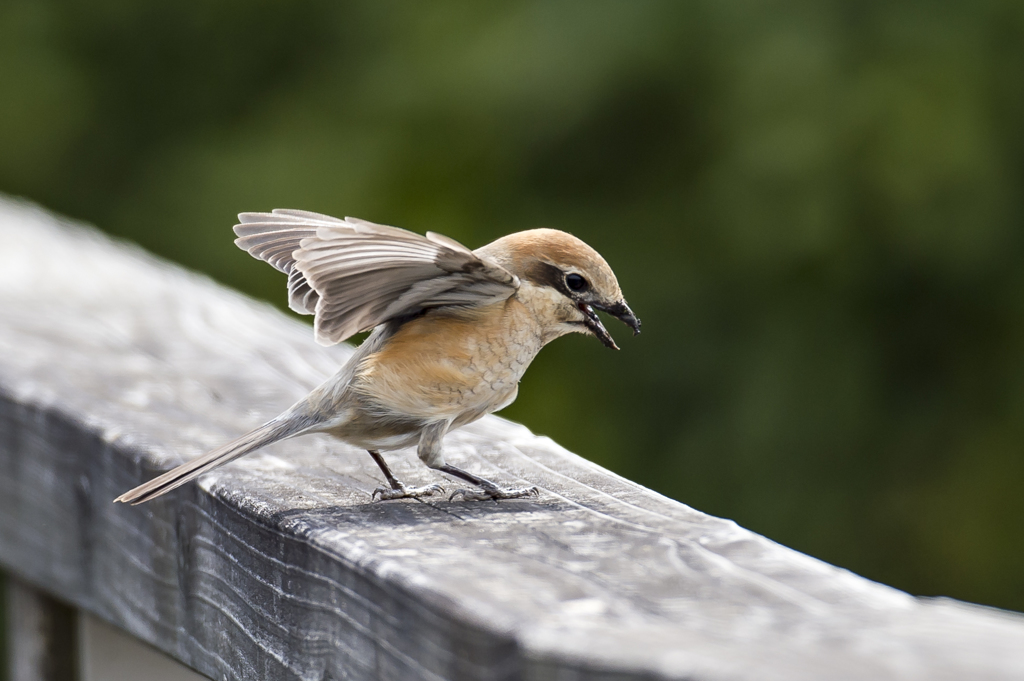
353 274
301 296
302 215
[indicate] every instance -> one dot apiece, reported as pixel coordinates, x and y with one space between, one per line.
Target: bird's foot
494 492
403 492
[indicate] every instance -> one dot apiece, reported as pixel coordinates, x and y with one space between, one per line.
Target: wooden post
41 635
115 366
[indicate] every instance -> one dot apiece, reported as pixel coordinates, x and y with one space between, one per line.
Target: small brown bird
453 332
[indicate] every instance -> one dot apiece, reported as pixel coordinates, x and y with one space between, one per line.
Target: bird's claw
403 492
495 493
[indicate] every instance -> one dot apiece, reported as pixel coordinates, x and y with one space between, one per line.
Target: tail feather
264 435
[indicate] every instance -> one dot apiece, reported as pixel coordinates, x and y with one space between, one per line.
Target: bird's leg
432 454
488 490
398 490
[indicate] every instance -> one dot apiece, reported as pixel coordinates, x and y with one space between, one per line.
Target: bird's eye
575 282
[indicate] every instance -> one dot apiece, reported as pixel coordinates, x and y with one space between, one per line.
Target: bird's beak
618 310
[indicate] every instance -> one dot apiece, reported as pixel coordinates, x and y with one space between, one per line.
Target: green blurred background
815 207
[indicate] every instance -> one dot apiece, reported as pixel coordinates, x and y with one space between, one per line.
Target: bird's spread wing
354 275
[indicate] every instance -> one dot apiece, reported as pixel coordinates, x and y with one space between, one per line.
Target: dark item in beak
618 310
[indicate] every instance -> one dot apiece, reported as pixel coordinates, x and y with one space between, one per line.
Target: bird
453 331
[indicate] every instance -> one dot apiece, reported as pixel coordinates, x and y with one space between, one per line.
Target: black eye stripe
575 282
543 273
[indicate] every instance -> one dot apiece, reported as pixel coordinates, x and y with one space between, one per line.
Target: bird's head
564 281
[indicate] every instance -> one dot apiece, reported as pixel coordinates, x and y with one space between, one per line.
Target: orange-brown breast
446 364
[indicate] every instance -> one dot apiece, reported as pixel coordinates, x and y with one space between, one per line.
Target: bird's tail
272 431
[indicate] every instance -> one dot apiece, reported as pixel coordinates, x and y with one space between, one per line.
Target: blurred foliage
815 208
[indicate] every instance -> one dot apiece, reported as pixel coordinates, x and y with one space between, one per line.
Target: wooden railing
115 366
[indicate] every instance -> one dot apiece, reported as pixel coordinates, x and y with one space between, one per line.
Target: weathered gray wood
41 635
114 366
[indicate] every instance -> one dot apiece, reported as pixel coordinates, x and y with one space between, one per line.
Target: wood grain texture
115 366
